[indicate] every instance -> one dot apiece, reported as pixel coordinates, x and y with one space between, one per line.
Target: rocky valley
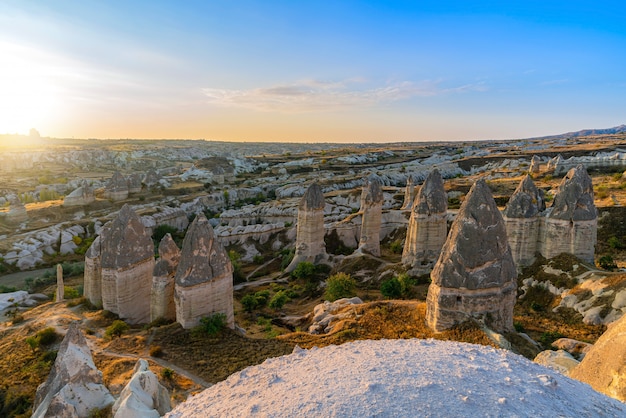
138 273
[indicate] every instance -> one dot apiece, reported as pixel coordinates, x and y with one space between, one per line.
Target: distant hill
588 132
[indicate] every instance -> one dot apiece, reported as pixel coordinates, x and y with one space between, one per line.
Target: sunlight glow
28 96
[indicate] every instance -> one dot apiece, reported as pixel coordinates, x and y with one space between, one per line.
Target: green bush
396 247
249 302
213 324
286 256
70 292
47 336
614 242
340 285
278 300
391 289
607 263
303 270
116 329
167 373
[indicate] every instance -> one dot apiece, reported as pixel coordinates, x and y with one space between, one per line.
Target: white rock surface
143 396
399 378
559 360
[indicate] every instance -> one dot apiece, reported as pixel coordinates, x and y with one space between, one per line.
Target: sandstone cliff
163 279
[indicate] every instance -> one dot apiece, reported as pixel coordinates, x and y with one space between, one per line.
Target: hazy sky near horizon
332 71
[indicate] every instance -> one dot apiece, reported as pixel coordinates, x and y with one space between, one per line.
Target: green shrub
278 300
167 373
161 231
249 302
286 255
396 247
614 242
116 329
156 351
340 285
70 292
391 289
258 259
7 289
33 342
303 270
607 263
47 336
213 324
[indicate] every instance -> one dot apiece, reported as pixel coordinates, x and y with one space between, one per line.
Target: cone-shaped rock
127 259
74 386
143 396
310 244
81 196
521 217
475 275
535 164
162 295
204 277
371 209
409 194
427 228
117 187
134 183
604 366
572 220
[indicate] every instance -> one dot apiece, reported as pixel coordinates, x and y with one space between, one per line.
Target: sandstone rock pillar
409 194
371 210
475 275
74 386
310 244
571 222
60 288
428 227
163 279
522 220
204 277
127 264
93 272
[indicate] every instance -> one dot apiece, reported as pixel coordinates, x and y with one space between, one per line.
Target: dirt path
18 279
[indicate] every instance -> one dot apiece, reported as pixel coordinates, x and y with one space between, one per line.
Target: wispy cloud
315 95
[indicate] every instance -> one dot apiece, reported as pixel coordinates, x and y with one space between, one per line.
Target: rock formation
475 275
604 366
117 187
17 211
310 244
427 228
204 277
60 288
134 183
74 386
409 194
83 195
371 210
143 396
163 279
93 273
572 221
127 260
522 220
535 164
151 178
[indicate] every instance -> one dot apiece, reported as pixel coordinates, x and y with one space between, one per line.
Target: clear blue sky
311 71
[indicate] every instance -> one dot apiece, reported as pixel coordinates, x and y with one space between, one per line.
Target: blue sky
339 71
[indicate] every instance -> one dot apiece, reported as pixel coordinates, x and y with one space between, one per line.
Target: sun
28 95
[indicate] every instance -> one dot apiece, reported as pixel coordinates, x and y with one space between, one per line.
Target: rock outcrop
310 244
17 211
127 260
371 210
143 396
409 194
81 196
60 294
134 183
163 280
535 164
523 221
475 275
204 277
572 221
604 366
74 386
117 187
427 228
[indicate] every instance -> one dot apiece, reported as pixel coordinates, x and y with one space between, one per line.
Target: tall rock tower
371 210
93 272
427 228
522 220
163 278
475 275
127 260
204 277
571 223
310 244
409 194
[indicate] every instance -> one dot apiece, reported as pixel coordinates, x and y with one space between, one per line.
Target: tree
340 285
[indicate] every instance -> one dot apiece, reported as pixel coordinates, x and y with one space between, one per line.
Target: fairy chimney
409 194
117 187
371 210
204 277
427 228
310 244
163 279
93 272
475 275
127 260
571 223
522 219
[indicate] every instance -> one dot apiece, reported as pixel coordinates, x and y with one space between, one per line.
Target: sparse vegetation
340 285
213 324
116 329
